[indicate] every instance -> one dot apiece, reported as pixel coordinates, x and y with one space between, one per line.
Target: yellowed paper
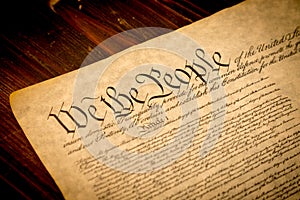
210 111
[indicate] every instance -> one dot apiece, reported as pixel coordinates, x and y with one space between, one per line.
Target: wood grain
39 42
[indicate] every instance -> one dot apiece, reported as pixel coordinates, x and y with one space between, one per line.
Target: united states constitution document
209 111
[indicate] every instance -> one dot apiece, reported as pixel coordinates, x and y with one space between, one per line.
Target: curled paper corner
12 98
14 101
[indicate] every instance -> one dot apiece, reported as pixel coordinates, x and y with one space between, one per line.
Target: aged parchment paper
210 111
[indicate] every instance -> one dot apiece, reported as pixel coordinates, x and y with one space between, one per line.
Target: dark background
39 42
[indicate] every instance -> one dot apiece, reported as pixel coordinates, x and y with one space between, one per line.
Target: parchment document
209 111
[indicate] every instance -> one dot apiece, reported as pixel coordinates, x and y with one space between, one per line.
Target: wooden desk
40 41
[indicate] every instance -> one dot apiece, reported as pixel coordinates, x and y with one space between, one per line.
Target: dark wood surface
41 40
